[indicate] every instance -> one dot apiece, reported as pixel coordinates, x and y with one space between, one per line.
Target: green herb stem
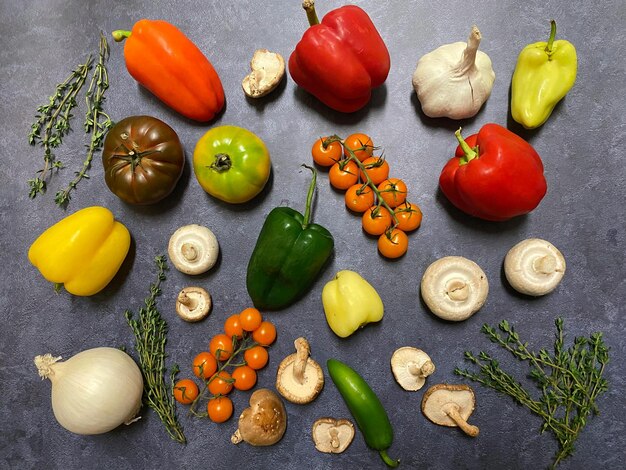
150 331
569 380
97 122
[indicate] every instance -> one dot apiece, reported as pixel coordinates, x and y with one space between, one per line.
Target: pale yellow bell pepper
83 251
350 302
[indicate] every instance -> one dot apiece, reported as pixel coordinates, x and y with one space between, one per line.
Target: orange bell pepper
165 61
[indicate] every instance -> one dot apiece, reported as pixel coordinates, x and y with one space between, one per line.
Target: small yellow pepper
544 73
82 251
350 302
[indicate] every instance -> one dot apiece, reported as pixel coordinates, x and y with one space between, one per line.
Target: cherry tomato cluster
223 368
369 190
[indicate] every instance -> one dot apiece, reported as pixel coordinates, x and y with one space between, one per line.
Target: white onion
94 391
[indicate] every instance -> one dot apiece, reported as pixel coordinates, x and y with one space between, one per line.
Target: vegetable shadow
377 100
475 223
443 122
262 102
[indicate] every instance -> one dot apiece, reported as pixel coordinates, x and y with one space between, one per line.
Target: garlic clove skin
454 80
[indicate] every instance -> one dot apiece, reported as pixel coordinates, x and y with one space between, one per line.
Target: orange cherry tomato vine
369 190
232 362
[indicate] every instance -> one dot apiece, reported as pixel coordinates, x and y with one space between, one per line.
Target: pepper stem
309 197
388 460
470 153
120 34
311 14
552 36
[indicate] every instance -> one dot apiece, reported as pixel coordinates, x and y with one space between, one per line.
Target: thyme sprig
53 122
150 330
569 380
97 122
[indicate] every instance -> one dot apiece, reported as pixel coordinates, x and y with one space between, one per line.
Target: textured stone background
582 146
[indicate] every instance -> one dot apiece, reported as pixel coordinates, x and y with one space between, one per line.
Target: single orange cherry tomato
344 174
376 220
326 153
244 377
359 198
256 357
360 144
232 327
377 169
393 191
220 409
185 391
204 365
221 346
250 319
221 383
265 334
409 216
393 244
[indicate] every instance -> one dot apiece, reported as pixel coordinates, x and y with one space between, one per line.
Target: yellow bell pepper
544 73
350 302
82 251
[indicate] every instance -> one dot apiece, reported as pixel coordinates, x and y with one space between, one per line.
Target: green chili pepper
289 254
366 408
544 73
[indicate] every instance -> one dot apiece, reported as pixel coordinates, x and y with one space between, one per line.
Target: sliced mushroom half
410 367
332 435
299 378
193 249
450 405
193 304
454 288
264 422
534 267
268 69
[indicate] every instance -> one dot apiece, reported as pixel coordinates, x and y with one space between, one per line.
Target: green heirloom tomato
143 159
231 164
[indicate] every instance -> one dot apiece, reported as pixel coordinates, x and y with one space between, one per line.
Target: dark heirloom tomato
143 159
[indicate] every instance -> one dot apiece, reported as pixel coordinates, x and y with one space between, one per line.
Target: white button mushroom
193 304
268 69
299 378
454 288
193 249
450 405
264 422
410 367
534 267
332 435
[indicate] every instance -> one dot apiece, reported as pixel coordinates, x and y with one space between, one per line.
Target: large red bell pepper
165 61
494 175
341 59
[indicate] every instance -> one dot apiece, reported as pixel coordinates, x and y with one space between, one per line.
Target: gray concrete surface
582 146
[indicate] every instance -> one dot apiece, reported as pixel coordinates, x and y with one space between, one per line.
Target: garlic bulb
94 391
455 79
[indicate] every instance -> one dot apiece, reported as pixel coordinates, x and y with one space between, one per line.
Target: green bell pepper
289 254
366 408
544 73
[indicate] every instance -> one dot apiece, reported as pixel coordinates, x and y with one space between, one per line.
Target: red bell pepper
165 61
494 175
341 59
